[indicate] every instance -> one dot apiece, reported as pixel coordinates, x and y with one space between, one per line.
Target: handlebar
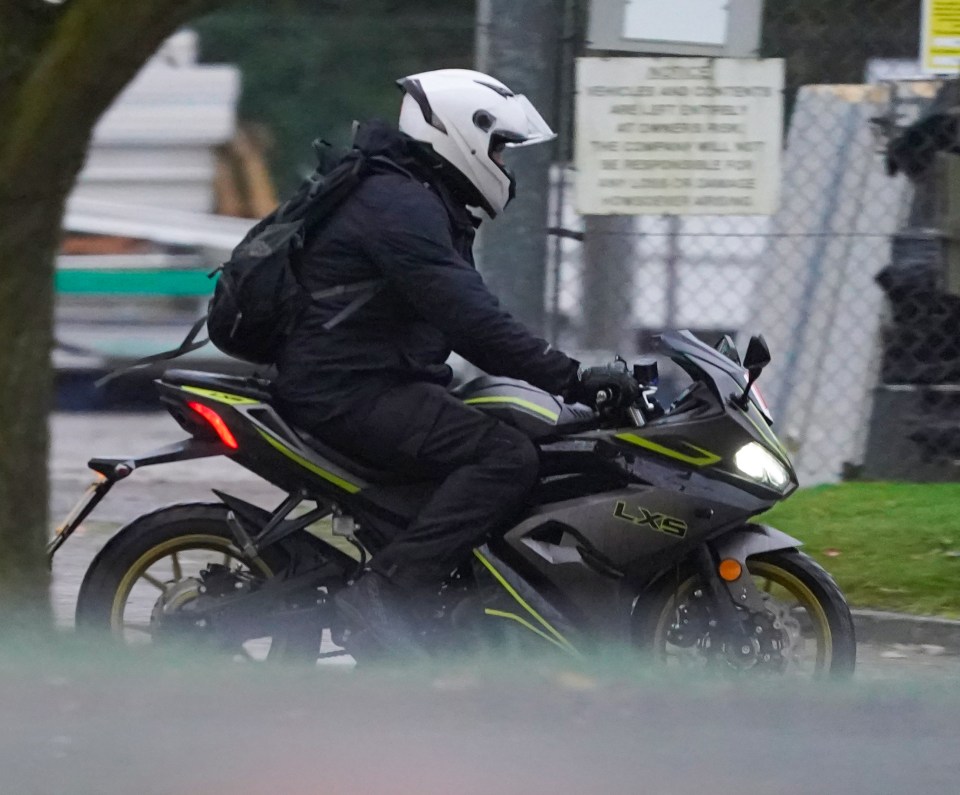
644 409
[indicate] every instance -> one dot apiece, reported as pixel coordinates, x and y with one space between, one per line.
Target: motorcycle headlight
759 465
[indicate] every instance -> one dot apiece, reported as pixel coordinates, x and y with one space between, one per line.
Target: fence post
608 288
519 43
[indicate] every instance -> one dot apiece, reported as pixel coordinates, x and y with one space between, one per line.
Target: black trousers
485 468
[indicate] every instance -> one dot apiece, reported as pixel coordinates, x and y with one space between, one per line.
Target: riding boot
373 606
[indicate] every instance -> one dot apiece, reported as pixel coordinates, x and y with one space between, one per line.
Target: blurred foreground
94 723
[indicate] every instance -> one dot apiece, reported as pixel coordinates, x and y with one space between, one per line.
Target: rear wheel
150 582
805 629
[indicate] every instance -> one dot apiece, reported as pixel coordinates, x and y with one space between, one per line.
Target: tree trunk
28 242
61 65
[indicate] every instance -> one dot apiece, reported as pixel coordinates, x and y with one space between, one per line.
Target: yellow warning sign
940 37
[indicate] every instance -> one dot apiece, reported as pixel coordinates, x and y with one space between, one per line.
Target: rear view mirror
757 357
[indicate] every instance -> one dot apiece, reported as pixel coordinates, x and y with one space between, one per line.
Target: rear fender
186 450
253 517
113 470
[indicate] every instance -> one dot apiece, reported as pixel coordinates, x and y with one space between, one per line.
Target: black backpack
258 296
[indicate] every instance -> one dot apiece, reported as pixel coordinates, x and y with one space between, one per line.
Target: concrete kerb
877 626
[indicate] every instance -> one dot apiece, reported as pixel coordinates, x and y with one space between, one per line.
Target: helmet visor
537 132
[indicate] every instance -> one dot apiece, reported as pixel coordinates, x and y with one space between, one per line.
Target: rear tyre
150 569
806 612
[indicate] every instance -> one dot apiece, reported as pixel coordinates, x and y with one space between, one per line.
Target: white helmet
468 118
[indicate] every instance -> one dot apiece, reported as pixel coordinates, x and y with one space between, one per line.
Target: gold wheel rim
779 576
808 600
174 545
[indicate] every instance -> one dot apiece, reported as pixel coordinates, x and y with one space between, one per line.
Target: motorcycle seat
246 386
259 389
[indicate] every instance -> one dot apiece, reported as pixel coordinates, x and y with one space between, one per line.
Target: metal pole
609 261
519 43
559 190
672 287
572 41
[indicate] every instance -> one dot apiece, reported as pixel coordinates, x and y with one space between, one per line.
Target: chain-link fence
849 280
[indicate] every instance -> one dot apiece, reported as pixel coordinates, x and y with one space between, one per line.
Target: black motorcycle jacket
404 226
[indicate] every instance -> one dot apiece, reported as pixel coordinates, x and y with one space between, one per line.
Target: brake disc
169 611
787 633
773 636
181 606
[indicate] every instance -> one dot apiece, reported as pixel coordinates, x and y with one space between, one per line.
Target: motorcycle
641 530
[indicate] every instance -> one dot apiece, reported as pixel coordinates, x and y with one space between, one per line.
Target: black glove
609 386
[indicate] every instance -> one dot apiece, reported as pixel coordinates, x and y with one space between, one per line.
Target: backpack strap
364 291
387 164
187 346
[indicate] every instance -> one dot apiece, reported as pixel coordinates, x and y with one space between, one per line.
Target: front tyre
806 627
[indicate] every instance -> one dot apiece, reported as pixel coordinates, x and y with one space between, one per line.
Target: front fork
722 565
727 596
731 604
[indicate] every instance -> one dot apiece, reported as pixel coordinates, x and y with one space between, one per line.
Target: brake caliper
691 622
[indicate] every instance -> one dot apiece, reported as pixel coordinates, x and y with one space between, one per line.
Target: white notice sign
678 136
688 21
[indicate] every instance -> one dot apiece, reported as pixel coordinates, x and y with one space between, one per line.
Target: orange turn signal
730 569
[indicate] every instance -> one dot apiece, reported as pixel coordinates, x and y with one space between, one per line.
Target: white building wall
156 145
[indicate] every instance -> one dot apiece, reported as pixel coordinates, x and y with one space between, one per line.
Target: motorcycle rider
375 385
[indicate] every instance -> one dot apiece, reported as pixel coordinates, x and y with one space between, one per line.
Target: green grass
890 546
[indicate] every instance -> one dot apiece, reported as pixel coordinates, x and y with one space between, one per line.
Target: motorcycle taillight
216 422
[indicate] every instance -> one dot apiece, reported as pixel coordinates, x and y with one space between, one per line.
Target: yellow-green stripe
523 622
706 458
221 397
524 404
328 476
561 641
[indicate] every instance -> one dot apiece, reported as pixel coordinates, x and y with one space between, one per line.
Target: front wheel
806 627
